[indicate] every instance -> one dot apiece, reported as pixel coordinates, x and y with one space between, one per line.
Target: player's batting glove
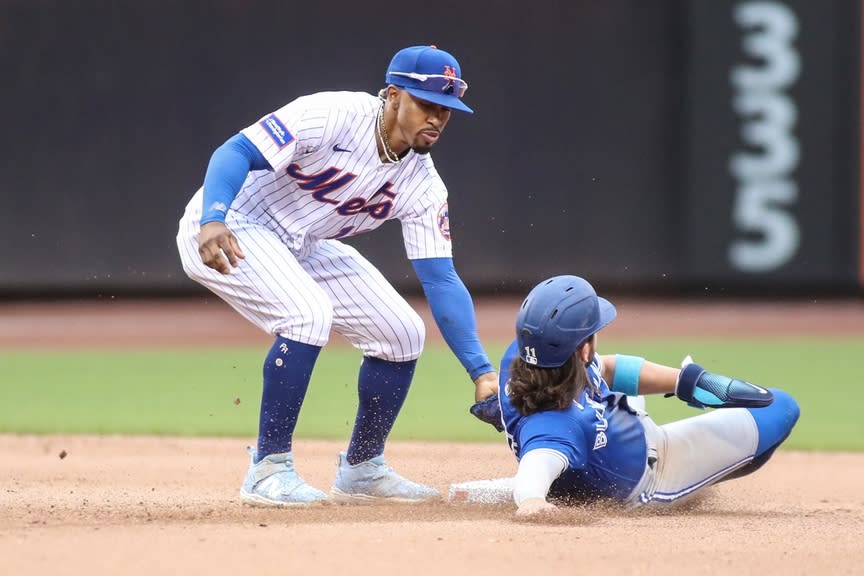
702 389
489 410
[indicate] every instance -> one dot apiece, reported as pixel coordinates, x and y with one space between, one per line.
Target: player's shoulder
424 162
546 421
350 103
562 427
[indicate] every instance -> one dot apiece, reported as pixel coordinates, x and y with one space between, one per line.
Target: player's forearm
653 378
537 470
657 378
453 311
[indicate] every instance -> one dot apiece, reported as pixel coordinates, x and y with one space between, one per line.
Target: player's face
421 123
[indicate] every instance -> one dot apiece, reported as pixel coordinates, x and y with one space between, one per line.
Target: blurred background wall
673 145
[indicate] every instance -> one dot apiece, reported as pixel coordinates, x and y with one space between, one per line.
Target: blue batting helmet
556 317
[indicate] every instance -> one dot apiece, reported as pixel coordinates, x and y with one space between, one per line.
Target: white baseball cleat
274 482
374 481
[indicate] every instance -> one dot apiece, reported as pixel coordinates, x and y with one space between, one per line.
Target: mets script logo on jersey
277 131
328 181
444 221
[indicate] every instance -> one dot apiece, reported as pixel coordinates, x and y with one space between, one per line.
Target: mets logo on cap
444 222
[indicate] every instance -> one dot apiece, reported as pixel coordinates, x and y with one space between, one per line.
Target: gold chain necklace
385 140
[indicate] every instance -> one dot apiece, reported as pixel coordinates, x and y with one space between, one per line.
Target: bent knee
789 406
775 422
404 340
309 323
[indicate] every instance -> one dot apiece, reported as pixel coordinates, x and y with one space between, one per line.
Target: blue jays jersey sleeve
554 430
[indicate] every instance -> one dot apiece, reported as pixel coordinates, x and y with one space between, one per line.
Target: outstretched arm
692 383
537 470
453 310
631 373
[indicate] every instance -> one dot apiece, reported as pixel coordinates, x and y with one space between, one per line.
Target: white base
494 491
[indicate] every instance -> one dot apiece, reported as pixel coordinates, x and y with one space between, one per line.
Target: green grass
216 392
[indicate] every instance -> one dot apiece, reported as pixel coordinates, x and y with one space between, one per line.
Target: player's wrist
491 375
483 371
212 219
532 506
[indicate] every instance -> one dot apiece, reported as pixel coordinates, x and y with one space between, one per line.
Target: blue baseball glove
489 410
702 389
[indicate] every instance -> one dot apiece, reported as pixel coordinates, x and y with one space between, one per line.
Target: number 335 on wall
766 191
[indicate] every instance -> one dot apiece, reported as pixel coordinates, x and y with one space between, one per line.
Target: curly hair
533 389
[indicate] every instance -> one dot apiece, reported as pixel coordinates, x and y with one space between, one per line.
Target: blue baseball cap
430 74
556 317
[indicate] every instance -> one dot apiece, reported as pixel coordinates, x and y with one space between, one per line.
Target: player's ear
393 95
586 351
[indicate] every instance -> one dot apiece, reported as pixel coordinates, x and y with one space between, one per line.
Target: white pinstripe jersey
329 182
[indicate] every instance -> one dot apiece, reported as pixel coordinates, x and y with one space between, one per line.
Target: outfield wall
673 144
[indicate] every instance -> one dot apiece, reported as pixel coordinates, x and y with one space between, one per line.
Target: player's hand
217 243
485 385
486 405
536 507
489 410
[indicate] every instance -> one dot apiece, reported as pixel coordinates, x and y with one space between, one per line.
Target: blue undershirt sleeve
229 165
453 311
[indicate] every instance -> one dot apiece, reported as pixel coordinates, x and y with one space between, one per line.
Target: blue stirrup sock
287 370
382 387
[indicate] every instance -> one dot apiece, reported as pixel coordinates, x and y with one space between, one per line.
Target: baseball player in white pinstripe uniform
263 234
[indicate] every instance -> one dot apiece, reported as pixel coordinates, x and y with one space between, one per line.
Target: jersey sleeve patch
277 131
444 222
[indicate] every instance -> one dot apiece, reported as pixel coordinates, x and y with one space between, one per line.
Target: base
494 491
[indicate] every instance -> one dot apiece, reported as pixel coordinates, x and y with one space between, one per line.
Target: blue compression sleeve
626 378
453 311
228 168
